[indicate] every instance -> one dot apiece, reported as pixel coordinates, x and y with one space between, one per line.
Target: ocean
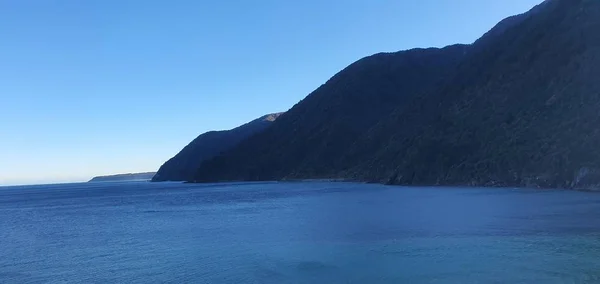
312 232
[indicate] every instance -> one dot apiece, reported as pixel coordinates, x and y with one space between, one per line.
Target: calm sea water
296 233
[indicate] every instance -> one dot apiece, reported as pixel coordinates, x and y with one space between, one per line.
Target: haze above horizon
104 86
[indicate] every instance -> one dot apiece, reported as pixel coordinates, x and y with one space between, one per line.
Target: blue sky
111 86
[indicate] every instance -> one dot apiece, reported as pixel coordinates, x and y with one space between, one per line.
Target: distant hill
519 107
124 177
183 166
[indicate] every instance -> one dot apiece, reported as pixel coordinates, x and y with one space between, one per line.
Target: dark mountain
518 107
311 137
124 177
522 111
513 21
184 165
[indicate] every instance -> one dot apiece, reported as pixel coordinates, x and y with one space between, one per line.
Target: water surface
296 233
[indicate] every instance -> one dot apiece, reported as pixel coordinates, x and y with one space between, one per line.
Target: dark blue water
296 233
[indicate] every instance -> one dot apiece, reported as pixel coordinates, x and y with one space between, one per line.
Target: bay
310 232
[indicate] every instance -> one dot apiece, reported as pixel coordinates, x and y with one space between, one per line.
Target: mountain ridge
182 166
516 108
336 112
455 104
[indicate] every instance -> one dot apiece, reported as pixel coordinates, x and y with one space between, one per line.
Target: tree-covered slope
308 140
522 111
184 165
518 107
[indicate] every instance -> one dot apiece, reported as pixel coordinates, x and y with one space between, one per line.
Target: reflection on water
296 233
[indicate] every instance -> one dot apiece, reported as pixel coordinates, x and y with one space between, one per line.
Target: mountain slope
309 139
521 112
518 107
183 165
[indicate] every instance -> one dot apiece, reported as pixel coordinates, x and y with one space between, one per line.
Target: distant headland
124 177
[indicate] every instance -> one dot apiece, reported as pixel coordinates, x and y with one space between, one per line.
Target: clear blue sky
111 86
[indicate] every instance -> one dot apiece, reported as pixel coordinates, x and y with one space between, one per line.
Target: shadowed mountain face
517 107
184 165
310 138
523 111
